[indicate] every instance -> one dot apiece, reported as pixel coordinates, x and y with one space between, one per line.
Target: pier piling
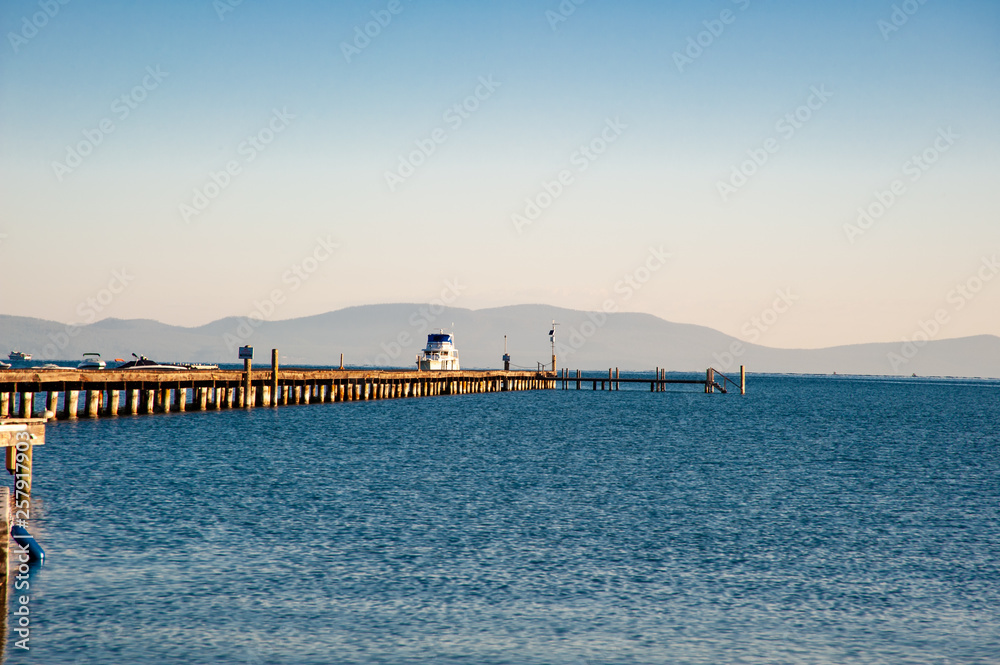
52 401
245 395
274 377
27 404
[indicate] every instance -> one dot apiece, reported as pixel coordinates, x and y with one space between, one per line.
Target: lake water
814 520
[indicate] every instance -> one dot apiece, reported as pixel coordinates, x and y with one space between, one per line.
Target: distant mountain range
392 336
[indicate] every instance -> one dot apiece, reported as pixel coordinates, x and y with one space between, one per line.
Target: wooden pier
658 383
68 394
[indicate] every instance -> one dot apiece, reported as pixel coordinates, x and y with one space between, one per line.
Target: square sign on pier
246 352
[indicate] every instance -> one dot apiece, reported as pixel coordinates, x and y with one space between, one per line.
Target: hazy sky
189 160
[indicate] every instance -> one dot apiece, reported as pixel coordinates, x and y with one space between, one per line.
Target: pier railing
726 381
658 382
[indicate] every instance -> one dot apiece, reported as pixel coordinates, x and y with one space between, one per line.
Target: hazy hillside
392 335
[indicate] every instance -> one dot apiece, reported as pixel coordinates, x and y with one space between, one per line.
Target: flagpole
552 339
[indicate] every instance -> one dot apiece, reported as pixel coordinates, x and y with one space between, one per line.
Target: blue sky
555 86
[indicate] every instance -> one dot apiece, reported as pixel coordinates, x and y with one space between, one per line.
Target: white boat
92 361
4 365
440 353
19 355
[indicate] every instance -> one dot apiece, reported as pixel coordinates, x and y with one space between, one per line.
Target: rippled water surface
815 520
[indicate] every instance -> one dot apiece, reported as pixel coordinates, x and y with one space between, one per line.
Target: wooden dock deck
70 394
657 383
73 393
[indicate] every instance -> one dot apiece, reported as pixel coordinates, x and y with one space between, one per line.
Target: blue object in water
22 537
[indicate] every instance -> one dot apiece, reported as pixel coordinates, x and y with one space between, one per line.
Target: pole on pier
247 369
274 377
552 339
743 380
246 355
709 380
341 361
